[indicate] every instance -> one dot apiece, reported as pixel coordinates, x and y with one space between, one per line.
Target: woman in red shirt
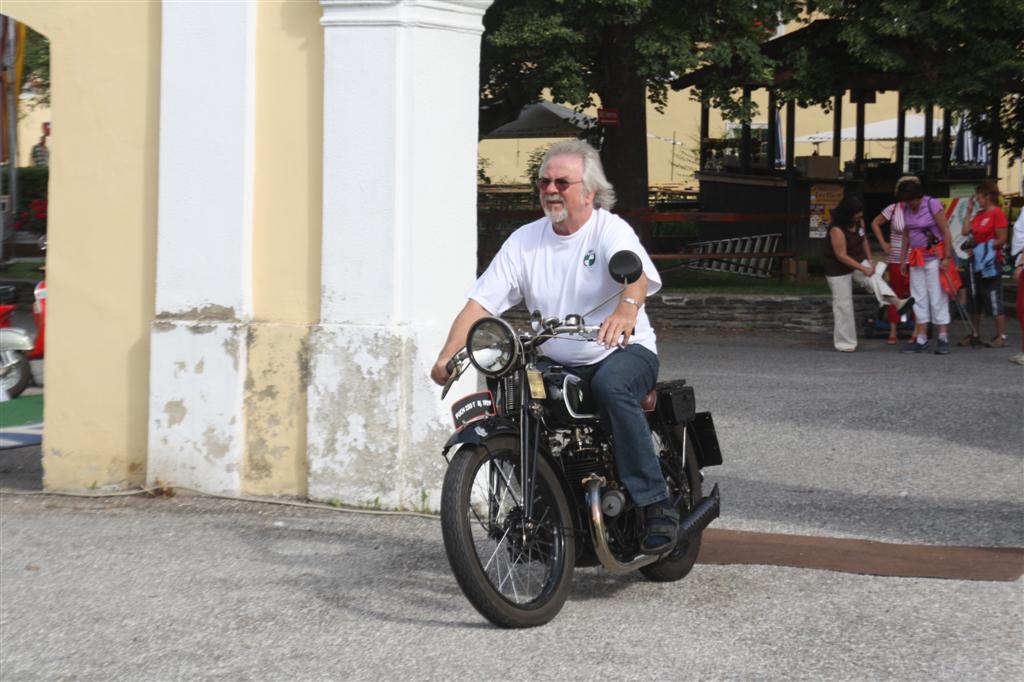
988 227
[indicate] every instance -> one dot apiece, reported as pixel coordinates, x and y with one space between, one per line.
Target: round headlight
492 346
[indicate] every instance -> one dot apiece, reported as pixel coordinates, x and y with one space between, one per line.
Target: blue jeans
619 383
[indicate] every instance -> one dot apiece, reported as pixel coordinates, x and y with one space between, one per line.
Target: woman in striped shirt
899 282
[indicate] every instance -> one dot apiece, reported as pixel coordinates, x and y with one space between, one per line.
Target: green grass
685 280
25 409
23 270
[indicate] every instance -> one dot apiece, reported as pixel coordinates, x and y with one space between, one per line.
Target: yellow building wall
286 242
105 73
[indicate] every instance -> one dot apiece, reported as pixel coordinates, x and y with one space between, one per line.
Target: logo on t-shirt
589 258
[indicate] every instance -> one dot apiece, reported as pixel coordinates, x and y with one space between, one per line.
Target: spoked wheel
513 564
15 374
679 562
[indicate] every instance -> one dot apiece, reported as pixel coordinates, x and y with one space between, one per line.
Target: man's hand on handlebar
440 372
620 323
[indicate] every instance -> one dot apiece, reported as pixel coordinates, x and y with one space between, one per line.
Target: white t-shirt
1017 246
566 275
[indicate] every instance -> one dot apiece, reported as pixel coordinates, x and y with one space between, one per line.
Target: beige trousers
844 326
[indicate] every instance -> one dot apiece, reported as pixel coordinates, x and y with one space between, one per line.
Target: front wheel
515 567
15 373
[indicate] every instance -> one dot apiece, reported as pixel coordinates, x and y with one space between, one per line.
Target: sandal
892 341
661 528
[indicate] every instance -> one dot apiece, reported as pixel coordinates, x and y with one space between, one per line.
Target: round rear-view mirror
625 267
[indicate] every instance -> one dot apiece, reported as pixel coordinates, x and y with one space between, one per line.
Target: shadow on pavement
22 468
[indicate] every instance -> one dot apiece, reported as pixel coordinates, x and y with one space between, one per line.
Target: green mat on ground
21 410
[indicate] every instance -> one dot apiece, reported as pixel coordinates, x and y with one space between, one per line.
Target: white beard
556 216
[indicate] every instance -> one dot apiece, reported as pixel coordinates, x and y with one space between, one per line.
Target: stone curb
811 314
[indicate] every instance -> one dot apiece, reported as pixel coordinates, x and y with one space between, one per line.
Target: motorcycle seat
649 401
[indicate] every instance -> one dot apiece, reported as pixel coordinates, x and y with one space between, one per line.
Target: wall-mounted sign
608 117
823 199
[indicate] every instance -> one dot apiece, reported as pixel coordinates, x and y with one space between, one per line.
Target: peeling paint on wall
175 411
275 413
216 444
210 312
195 438
231 348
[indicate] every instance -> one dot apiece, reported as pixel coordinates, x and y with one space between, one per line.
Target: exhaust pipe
600 537
706 511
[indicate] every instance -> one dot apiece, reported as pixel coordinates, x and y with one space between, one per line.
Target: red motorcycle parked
17 347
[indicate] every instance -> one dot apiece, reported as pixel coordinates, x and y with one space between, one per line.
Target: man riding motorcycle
557 264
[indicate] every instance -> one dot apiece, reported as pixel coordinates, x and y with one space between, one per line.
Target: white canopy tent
544 119
879 130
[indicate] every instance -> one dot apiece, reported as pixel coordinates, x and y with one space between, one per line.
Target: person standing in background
1017 253
893 248
988 231
41 153
924 255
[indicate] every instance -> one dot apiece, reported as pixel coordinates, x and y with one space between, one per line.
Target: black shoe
661 528
915 347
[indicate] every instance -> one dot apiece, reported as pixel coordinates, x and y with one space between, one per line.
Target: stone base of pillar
376 421
196 430
228 407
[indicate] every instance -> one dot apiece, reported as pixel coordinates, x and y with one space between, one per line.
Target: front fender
480 430
12 338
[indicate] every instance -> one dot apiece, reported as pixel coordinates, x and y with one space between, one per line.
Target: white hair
594 179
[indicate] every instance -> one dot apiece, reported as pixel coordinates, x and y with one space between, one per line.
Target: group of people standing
923 273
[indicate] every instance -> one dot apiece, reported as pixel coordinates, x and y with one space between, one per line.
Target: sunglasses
561 184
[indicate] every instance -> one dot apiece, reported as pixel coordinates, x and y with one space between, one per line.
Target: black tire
477 540
678 563
19 374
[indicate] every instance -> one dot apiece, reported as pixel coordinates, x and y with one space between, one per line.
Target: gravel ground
874 444
194 588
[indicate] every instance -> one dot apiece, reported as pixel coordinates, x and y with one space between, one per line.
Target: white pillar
204 245
399 244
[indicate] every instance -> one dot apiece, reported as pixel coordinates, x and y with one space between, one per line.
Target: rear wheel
679 562
514 566
15 373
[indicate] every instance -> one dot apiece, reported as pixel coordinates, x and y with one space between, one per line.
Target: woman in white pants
848 259
925 252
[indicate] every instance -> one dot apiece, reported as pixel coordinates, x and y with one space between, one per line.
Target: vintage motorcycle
531 490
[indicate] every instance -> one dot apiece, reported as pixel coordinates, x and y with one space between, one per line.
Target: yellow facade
286 243
105 70
101 263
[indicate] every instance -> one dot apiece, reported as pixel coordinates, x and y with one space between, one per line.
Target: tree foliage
37 66
962 55
622 51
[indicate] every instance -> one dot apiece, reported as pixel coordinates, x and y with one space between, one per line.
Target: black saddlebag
676 404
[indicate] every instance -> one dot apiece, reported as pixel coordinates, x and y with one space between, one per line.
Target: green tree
966 55
625 52
37 66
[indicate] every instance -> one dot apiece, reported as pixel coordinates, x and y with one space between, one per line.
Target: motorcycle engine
582 452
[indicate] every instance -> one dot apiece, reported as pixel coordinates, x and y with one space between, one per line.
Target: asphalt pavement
874 445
